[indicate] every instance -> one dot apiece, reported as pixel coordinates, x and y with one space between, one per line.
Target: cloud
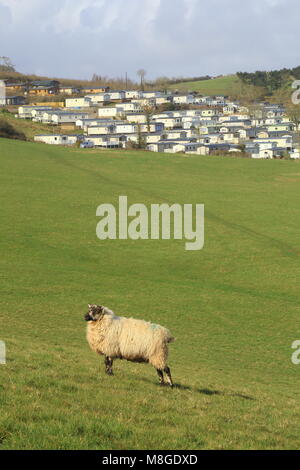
166 37
5 16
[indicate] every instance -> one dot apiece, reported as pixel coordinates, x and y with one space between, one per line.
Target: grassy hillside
233 307
30 128
231 85
216 86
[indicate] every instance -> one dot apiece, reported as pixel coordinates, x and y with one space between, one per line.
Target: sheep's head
95 312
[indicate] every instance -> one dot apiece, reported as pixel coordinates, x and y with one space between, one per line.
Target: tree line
270 80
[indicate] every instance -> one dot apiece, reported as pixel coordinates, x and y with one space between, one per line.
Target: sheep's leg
108 365
169 378
160 376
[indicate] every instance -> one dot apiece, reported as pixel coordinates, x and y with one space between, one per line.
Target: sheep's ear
89 306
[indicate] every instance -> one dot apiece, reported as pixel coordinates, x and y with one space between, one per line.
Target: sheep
127 338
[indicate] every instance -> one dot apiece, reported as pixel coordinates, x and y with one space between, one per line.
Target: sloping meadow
233 306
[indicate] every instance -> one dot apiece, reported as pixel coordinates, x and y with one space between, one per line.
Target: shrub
8 131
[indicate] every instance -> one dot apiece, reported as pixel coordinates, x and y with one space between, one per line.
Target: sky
174 38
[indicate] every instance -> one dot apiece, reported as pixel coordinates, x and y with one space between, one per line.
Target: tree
293 113
142 73
162 83
96 78
246 93
141 143
148 111
6 64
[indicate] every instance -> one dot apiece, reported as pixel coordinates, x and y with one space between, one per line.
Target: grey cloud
112 37
5 16
91 16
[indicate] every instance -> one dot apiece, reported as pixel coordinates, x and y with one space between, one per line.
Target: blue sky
75 38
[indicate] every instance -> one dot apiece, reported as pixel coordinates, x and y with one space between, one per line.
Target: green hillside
233 306
216 86
30 128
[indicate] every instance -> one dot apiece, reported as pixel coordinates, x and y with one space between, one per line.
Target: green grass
30 128
216 86
233 307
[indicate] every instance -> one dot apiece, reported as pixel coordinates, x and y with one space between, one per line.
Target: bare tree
142 73
6 64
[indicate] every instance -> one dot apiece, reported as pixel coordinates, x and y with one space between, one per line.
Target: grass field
233 306
216 86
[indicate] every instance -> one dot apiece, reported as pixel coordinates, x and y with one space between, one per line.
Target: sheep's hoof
109 372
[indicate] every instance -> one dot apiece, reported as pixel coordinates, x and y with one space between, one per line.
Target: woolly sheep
127 338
